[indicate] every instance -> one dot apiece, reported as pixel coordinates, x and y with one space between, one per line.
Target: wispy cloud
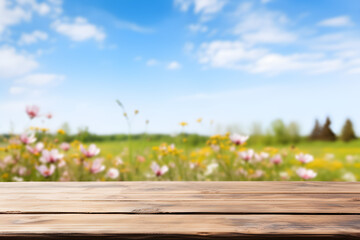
205 8
15 64
262 26
174 65
79 29
30 38
341 21
40 79
152 62
197 28
16 90
258 30
132 27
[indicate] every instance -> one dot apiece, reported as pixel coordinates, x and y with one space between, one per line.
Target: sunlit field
39 155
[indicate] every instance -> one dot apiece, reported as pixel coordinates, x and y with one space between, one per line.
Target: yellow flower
183 124
136 112
5 175
61 132
199 120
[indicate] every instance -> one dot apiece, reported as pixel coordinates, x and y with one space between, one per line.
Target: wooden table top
178 210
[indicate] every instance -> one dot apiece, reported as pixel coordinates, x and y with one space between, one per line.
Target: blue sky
231 62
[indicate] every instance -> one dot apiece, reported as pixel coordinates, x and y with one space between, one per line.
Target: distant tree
316 132
293 130
66 127
326 133
279 130
348 133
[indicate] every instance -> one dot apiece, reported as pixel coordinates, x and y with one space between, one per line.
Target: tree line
325 133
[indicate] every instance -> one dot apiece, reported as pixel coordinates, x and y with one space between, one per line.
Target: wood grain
178 210
178 225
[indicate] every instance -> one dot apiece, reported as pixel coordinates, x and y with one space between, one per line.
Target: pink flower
65 146
276 159
215 148
97 166
238 139
37 149
45 171
113 173
258 174
51 156
91 151
306 173
247 155
159 171
32 111
140 158
26 138
304 158
22 171
49 116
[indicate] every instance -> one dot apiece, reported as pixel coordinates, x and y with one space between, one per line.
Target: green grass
317 148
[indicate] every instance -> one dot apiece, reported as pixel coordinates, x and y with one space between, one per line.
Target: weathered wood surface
178 210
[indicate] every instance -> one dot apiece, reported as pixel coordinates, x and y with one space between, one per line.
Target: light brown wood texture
179 210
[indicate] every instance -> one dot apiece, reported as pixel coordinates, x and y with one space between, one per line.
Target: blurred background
238 65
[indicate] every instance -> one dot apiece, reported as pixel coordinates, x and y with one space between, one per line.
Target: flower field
37 155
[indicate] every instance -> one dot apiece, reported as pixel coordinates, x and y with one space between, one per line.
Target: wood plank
184 187
155 226
182 206
153 197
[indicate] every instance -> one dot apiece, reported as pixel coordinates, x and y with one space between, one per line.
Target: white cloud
16 90
265 1
79 30
41 8
341 21
152 62
239 56
197 28
354 71
228 54
14 12
15 64
262 26
30 38
173 65
11 14
40 79
204 7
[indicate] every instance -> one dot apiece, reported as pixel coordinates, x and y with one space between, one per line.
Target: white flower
349 177
159 171
51 156
306 173
97 166
304 158
113 173
247 155
211 168
26 138
238 139
17 179
92 151
45 171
